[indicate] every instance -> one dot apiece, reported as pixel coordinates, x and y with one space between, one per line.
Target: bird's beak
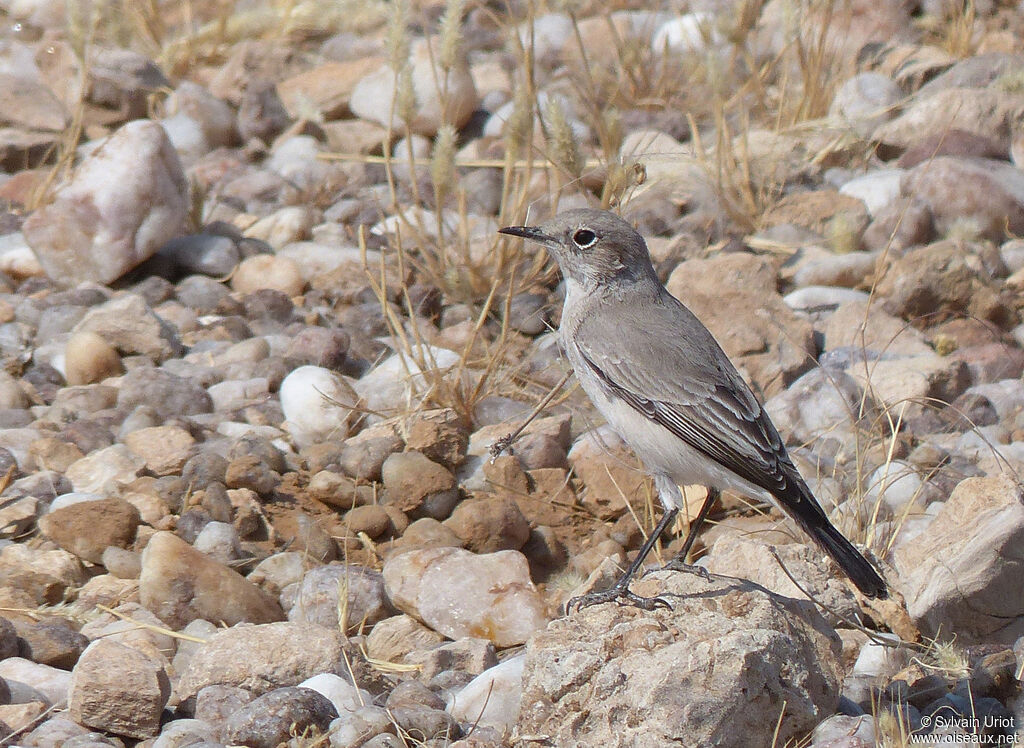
531 233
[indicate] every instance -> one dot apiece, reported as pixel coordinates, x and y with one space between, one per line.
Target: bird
662 381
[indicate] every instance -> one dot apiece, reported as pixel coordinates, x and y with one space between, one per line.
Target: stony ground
258 333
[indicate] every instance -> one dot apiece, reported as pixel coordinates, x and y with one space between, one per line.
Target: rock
866 101
169 395
129 325
608 470
829 214
30 104
393 638
362 728
324 89
88 528
773 346
899 488
492 599
986 112
268 271
753 651
822 401
954 142
492 698
958 576
89 358
164 448
118 689
363 455
51 642
44 575
345 697
270 719
318 405
124 200
752 559
864 325
438 434
214 704
208 254
402 378
184 732
54 684
261 114
440 96
488 525
179 584
952 189
468 655
876 189
418 486
318 598
372 520
215 118
105 470
263 657
915 382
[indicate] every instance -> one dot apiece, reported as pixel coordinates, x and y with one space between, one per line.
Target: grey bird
661 380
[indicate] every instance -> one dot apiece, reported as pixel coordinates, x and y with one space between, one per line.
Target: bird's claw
677 564
504 444
619 595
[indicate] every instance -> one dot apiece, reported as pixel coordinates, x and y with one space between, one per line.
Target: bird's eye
584 238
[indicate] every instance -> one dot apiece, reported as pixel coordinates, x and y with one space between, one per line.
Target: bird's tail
857 568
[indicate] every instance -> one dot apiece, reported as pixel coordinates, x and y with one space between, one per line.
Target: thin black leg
619 592
678 562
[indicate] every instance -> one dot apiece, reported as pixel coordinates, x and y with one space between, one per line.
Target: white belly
661 451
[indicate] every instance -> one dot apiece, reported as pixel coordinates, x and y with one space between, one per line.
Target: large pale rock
459 593
715 670
127 198
441 96
180 584
771 345
264 657
963 576
118 689
318 404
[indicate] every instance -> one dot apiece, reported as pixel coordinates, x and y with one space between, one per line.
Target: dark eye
584 238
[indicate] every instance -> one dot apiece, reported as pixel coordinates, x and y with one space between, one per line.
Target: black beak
528 232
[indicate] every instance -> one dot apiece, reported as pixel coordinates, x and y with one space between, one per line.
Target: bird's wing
670 368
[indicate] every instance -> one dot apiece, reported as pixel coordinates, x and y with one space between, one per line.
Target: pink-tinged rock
459 593
180 584
125 200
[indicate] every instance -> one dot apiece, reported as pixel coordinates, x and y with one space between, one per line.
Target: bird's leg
671 501
678 562
619 592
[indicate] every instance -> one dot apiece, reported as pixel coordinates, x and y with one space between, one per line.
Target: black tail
850 560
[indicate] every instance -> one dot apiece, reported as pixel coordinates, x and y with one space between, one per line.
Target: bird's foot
619 594
678 564
502 445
